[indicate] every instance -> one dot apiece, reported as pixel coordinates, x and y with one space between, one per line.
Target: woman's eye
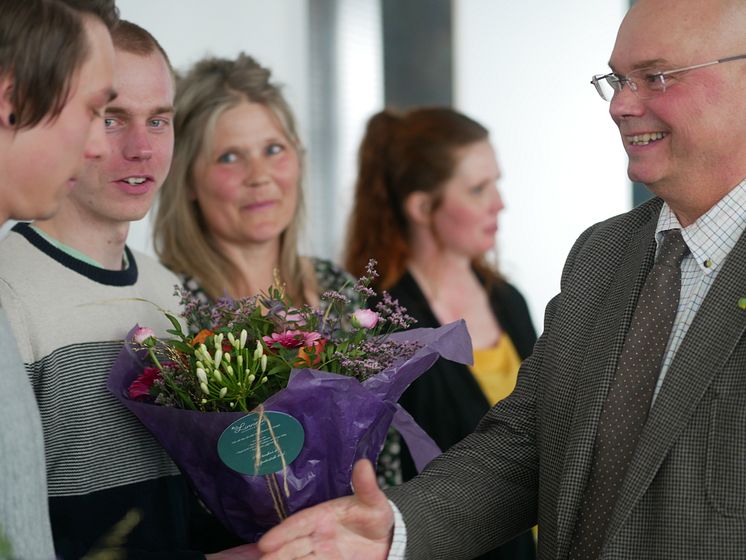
274 149
229 157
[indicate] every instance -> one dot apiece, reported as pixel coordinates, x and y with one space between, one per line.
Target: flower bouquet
268 406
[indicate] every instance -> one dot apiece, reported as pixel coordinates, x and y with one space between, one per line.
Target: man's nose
138 146
625 103
96 145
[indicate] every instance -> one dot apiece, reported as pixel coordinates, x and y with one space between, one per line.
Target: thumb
365 484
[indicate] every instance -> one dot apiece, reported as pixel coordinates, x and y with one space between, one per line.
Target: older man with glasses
626 435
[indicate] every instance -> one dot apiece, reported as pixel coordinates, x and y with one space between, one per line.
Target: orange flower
201 336
309 353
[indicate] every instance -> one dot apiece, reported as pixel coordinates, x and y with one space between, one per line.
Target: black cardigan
447 400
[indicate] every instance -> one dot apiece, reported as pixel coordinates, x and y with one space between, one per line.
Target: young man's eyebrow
121 111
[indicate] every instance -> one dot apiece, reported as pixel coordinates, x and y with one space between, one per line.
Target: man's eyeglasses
646 83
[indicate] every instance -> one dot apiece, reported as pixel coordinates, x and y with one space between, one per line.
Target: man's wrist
398 543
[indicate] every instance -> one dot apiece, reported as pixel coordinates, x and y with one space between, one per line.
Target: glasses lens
650 82
603 86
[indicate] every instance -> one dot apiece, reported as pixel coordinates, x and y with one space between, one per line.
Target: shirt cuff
399 542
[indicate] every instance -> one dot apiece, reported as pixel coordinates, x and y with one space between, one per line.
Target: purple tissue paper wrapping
343 419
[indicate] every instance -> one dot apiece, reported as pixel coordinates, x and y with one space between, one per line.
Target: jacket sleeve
484 490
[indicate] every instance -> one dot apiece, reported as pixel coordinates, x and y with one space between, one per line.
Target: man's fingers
360 513
298 548
242 552
365 484
297 526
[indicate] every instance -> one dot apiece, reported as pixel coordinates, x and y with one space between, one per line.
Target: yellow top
496 369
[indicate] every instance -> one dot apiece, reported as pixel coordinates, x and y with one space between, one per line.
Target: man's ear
418 207
7 113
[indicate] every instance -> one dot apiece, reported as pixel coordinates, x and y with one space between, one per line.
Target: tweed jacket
684 495
447 402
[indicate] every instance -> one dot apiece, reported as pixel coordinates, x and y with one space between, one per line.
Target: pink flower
365 318
292 339
293 315
140 387
142 334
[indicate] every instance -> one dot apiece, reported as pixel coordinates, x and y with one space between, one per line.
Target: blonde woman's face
247 185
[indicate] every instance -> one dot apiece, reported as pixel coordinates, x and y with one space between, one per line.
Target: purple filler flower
365 318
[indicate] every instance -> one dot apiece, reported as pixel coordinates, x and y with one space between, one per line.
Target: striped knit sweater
69 319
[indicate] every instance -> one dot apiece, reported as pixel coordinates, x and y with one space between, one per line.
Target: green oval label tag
279 438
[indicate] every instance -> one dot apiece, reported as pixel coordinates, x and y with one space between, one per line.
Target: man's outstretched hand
357 527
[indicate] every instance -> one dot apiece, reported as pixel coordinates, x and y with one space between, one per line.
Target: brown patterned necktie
628 402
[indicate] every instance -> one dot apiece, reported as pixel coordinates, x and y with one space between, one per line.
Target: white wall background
522 69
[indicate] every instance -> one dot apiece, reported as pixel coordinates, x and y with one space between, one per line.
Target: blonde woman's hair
182 239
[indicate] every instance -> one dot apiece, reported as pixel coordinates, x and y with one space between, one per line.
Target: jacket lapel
612 320
702 354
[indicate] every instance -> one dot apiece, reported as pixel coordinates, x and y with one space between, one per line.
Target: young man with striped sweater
69 286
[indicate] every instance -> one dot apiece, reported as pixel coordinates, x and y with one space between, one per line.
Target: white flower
259 352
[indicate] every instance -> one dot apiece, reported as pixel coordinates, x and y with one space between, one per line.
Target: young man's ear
7 114
418 207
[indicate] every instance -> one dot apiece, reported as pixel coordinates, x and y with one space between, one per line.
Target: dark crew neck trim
104 276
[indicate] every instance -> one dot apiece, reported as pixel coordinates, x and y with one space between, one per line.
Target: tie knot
672 250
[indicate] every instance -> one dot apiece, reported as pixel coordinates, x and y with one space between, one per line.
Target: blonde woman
230 210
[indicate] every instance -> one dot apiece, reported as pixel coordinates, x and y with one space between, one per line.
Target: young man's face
46 160
119 186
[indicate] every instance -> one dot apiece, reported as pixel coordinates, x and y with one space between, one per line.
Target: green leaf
182 347
177 331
